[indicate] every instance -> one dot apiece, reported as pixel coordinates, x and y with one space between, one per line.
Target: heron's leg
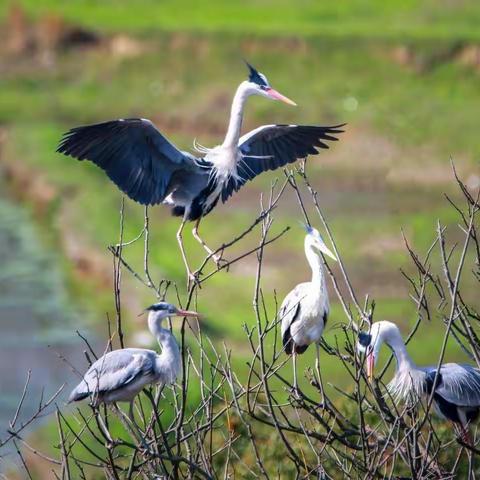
215 256
104 429
317 368
129 423
190 276
465 435
131 413
200 240
295 383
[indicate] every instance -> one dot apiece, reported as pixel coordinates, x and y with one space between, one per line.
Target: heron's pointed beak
278 96
187 313
326 251
370 366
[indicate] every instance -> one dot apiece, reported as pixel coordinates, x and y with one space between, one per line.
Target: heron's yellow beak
328 252
370 366
278 96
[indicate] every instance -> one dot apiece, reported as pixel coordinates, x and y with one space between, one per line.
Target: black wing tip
300 349
290 346
287 341
77 397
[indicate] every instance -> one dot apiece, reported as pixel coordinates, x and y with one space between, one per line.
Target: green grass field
390 19
388 171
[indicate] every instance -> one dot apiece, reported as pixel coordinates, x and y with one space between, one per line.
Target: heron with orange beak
455 387
120 375
151 170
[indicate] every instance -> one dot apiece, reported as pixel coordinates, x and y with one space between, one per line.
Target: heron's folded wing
114 370
458 384
290 308
273 146
132 152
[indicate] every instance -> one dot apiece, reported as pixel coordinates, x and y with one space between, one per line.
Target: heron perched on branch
151 170
120 375
455 387
305 309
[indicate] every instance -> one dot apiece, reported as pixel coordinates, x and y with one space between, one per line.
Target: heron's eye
263 87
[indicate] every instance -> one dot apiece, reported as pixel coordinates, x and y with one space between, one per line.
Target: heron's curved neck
396 343
164 337
313 258
168 363
236 117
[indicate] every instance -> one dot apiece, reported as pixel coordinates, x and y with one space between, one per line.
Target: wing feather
458 384
114 370
132 152
272 146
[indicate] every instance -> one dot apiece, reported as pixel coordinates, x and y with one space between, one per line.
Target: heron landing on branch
151 170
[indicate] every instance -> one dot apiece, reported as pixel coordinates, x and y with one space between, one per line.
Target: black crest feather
256 77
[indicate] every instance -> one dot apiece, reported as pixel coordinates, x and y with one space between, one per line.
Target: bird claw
220 262
295 392
193 279
110 443
144 447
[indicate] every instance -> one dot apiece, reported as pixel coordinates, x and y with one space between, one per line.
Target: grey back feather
114 370
458 384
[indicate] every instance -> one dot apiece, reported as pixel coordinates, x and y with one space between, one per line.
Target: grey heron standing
456 387
151 170
305 309
120 375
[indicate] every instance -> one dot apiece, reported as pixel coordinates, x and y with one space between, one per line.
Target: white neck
404 361
315 262
408 381
169 361
236 116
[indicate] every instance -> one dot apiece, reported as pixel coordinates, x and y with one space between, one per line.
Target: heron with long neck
120 375
151 170
455 387
305 309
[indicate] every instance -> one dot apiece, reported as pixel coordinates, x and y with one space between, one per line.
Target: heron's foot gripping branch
193 278
220 262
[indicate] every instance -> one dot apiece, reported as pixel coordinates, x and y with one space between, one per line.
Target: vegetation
218 421
390 19
399 73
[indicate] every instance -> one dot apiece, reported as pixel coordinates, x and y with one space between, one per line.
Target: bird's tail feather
178 211
76 396
290 346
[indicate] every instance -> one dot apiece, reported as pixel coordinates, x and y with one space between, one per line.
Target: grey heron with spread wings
150 169
455 386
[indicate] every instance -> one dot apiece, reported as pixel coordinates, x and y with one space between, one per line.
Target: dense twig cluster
219 422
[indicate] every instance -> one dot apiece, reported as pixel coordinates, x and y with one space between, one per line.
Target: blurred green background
404 75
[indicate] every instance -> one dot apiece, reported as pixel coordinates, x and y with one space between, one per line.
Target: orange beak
187 313
370 366
278 96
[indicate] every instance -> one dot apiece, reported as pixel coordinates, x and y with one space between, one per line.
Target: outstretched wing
114 370
132 152
273 146
457 384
